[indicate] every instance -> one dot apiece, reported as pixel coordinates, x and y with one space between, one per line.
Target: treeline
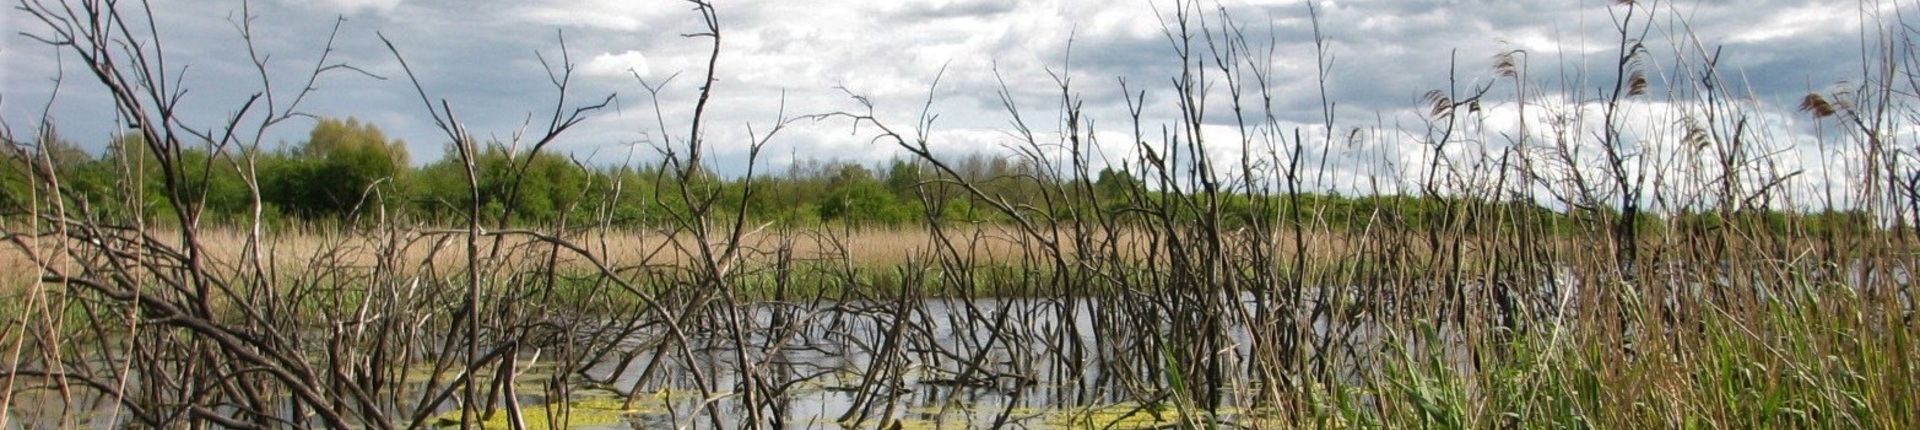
348 171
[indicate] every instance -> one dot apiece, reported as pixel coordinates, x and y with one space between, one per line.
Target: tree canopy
344 166
347 167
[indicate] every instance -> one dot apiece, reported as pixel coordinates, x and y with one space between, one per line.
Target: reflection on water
947 363
1032 363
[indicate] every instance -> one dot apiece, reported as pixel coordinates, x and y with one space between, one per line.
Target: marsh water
1033 363
952 363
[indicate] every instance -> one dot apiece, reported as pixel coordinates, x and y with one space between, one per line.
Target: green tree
26 165
855 195
130 179
904 177
336 171
549 186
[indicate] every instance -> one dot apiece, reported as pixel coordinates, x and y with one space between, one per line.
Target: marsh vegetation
1593 268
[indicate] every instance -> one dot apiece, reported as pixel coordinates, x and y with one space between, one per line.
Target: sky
489 61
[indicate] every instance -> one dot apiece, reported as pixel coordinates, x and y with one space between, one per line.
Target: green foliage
1821 223
18 177
128 182
344 166
212 182
629 196
855 195
1116 187
517 187
136 179
347 166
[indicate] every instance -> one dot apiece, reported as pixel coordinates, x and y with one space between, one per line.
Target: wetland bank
1592 268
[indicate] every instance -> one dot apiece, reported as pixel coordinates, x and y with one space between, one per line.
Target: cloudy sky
484 57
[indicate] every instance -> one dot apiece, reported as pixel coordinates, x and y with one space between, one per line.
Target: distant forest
348 172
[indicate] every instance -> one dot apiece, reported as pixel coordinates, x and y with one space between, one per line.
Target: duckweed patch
1116 416
582 412
1137 416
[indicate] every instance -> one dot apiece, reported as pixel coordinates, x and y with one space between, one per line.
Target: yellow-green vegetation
1127 416
1139 416
581 412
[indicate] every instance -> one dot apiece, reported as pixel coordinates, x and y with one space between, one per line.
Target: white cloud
1799 21
623 64
620 15
349 6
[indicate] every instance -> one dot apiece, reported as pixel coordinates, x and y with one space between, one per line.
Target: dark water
1040 364
933 363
